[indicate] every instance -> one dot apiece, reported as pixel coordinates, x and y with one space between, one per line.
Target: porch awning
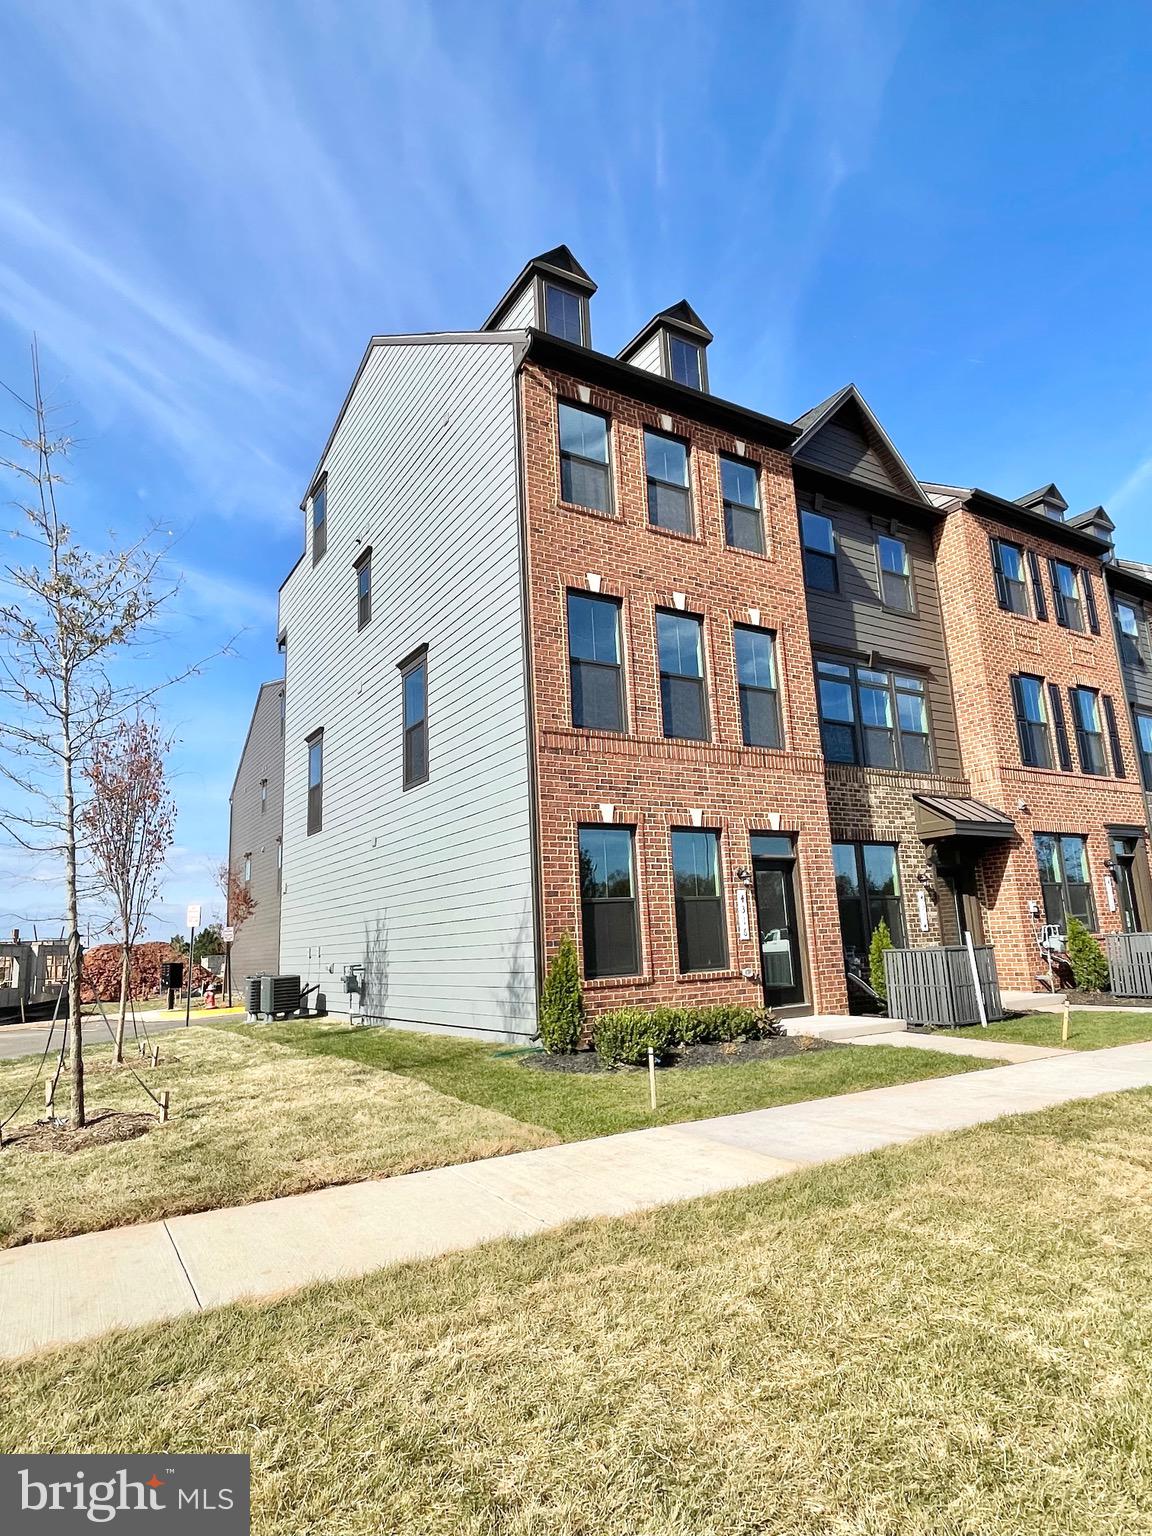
939 816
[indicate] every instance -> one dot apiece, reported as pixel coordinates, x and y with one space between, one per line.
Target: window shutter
1057 596
1018 706
1059 725
1113 735
1090 602
1001 589
1039 601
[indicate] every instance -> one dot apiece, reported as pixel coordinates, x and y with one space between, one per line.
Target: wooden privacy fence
935 986
1130 964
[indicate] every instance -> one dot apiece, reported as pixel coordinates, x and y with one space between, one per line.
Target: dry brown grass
949 1338
250 1120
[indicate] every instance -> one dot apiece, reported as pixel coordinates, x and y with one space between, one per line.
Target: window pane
319 506
610 941
597 702
1127 620
1087 715
666 458
695 863
685 360
893 556
414 695
1011 560
759 717
875 705
584 433
700 931
740 482
1032 699
755 663
584 484
743 528
669 507
1075 858
817 532
880 871
562 314
682 705
606 862
771 845
836 701
680 644
1048 858
593 628
913 715
315 764
916 754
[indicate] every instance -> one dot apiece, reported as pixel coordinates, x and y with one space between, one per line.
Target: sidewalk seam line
183 1267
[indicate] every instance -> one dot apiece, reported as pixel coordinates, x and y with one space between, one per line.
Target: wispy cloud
1137 482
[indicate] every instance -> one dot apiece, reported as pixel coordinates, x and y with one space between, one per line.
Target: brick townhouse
576 645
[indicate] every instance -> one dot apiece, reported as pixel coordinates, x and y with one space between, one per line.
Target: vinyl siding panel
254 829
430 889
847 452
855 620
521 312
648 356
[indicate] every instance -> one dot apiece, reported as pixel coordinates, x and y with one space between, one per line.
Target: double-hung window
666 467
414 687
1089 734
594 662
1008 569
1128 628
756 680
743 521
867 891
680 644
1066 595
315 746
319 519
684 362
563 313
364 589
1144 747
818 539
895 574
1064 882
247 869
1031 721
700 932
608 901
585 473
877 718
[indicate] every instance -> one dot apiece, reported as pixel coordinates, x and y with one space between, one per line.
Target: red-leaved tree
239 905
128 824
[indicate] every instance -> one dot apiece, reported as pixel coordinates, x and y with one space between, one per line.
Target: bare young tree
127 826
67 613
239 905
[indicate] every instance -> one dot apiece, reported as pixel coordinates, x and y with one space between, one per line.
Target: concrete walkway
77 1288
975 1043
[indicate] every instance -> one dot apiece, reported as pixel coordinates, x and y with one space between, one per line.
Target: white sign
742 913
193 918
228 935
922 910
1110 892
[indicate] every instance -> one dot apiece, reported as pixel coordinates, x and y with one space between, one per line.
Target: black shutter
1090 602
1018 706
1057 595
1113 735
1039 601
1001 589
1059 725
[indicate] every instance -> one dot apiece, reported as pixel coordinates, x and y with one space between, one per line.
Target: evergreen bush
562 1000
881 940
622 1035
1087 958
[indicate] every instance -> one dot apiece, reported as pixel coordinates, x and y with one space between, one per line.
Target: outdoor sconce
744 875
1110 866
927 883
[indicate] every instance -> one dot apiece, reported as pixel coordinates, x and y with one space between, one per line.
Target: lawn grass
576 1106
947 1338
250 1120
1086 1031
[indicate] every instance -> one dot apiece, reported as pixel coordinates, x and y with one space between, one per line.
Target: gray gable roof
848 403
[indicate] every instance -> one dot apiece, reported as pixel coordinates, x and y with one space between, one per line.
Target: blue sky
206 208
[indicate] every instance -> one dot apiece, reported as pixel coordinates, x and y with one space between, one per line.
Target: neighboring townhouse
576 646
255 846
1044 734
887 720
1130 592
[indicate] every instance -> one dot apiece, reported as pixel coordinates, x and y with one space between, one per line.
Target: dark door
959 876
780 961
1124 852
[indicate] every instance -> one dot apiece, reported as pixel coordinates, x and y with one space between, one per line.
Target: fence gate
1130 963
935 986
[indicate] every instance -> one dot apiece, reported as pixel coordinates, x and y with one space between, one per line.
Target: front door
780 962
1124 853
959 876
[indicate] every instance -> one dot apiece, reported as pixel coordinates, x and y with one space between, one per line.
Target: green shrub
562 1000
1086 957
881 940
623 1035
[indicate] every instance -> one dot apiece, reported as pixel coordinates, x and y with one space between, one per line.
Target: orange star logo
154 1482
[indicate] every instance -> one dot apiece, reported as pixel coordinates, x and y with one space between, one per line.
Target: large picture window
608 902
756 681
867 891
743 521
680 642
594 662
666 467
1064 882
873 717
585 475
700 933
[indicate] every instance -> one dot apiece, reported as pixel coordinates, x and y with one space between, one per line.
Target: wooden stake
163 1105
143 1047
652 1077
155 1055
1064 1027
49 1091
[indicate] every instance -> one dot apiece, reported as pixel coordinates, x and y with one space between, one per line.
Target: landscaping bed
727 1053
1106 1000
947 1338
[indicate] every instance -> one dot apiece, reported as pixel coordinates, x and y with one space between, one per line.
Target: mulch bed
732 1053
104 1126
1106 1000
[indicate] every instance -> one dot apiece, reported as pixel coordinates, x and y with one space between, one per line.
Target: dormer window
563 313
684 362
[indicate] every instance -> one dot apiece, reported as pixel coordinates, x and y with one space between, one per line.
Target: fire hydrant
210 995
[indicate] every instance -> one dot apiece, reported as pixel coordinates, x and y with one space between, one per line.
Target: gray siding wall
521 313
1137 672
254 829
429 889
854 619
846 451
648 356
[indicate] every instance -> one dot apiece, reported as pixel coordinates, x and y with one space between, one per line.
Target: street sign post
228 934
193 917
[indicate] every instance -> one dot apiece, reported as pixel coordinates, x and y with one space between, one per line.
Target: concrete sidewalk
975 1043
77 1288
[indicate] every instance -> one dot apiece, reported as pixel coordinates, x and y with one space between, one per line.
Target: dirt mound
102 971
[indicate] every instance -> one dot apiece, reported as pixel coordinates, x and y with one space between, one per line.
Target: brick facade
986 646
655 784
